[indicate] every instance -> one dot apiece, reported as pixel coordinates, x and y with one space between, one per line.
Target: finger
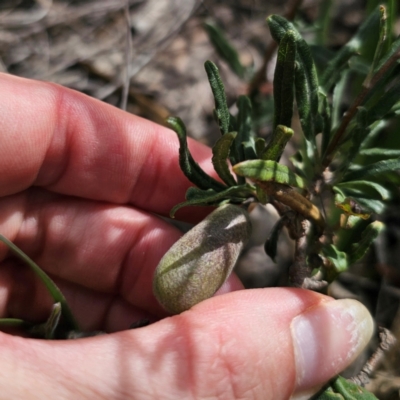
241 345
69 143
23 296
97 246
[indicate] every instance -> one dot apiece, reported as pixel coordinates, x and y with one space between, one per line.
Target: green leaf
284 80
380 46
198 197
14 323
371 171
384 104
271 245
337 65
393 50
350 222
190 168
218 90
335 68
261 195
338 261
52 288
276 146
260 146
339 94
365 187
245 143
224 48
356 137
374 131
323 22
301 165
343 389
269 171
371 232
348 205
326 114
355 202
306 81
376 206
221 152
376 154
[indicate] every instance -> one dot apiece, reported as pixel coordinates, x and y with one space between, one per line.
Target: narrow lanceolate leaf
276 146
52 288
218 90
371 171
377 152
224 48
394 48
306 81
244 143
365 187
336 66
221 152
284 80
376 206
198 197
190 168
269 171
380 46
271 245
370 233
385 103
14 323
326 114
260 146
357 136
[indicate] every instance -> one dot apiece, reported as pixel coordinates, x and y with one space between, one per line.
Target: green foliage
218 90
224 48
269 171
342 169
52 327
342 389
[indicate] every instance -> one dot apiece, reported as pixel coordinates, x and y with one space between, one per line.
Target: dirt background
147 56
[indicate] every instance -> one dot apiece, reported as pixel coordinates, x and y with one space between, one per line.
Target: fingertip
327 338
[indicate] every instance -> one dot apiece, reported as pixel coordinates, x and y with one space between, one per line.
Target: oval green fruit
197 265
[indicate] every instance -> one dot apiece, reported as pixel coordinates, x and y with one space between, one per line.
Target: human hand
79 187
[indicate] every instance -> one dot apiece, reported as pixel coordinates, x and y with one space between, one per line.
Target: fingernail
327 338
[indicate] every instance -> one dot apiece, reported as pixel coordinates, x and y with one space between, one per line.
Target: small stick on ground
386 340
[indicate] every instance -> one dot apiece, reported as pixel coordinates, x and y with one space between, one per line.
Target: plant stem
299 270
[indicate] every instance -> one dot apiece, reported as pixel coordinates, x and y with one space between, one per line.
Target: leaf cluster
339 179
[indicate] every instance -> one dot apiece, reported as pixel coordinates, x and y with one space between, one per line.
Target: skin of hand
80 184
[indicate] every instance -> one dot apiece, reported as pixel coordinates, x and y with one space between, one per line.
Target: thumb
253 344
